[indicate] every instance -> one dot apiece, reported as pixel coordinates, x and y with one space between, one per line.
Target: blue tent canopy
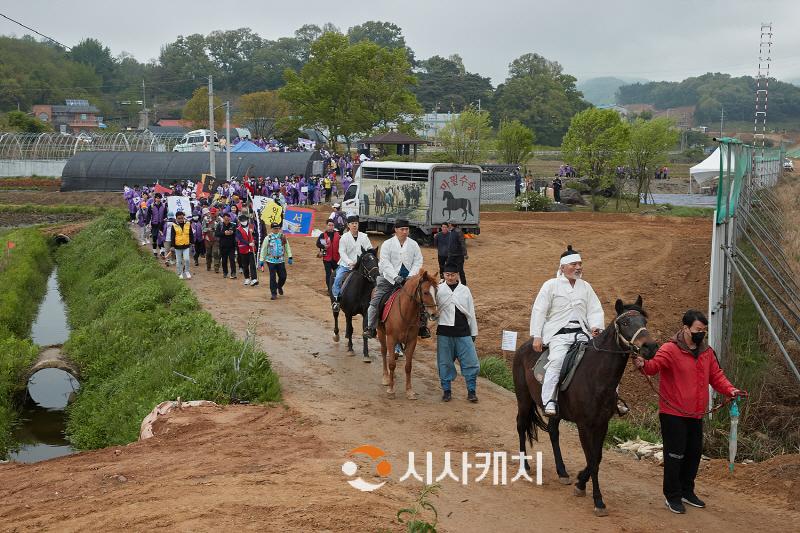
246 146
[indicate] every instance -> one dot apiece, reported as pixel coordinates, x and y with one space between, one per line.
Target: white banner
178 203
308 144
259 202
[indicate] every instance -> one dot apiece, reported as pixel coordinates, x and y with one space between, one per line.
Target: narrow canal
40 434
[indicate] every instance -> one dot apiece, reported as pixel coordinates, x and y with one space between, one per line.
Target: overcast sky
656 40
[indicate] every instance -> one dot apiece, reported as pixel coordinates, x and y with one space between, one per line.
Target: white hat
337 205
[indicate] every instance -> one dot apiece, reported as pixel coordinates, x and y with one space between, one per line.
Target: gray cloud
645 38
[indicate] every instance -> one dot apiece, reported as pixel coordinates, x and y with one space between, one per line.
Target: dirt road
279 467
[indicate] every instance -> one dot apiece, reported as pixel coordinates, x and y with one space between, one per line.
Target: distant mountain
794 81
602 91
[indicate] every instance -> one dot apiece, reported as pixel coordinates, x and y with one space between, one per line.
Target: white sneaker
247 281
188 276
550 409
253 282
180 276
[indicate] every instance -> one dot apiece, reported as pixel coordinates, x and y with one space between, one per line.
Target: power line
67 48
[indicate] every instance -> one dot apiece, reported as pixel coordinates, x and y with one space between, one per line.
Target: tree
91 52
24 123
347 89
196 109
466 138
514 142
384 34
445 85
648 149
261 112
595 144
540 95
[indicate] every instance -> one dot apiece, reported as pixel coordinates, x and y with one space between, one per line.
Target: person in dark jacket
227 245
687 365
457 250
328 244
442 242
156 217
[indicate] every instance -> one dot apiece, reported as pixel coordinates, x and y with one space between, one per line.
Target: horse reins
632 348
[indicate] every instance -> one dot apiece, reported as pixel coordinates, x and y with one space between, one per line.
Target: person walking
181 240
687 366
328 187
245 242
455 334
557 186
275 250
156 217
227 245
210 223
457 250
328 244
198 240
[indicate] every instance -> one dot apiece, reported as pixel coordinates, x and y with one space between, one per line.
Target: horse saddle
386 303
571 361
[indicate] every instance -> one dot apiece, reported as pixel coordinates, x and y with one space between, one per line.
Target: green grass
496 370
623 430
23 277
135 325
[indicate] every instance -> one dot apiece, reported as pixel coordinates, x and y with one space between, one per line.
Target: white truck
425 194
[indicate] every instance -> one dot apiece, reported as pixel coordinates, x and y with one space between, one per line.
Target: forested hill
711 91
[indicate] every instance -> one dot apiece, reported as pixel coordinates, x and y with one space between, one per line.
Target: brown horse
590 400
402 326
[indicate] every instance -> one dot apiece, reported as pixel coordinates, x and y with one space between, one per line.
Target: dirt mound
778 478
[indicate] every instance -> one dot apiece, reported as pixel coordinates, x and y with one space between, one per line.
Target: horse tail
529 419
469 206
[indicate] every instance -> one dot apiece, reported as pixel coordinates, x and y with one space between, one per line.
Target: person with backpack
339 218
197 239
156 217
276 252
245 241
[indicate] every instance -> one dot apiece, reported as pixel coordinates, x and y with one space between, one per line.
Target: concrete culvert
61 239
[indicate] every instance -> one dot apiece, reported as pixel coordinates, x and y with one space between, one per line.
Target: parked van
426 194
197 141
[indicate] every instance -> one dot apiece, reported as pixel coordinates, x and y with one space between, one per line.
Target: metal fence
46 146
748 252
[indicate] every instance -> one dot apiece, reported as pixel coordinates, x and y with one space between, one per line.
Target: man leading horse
566 310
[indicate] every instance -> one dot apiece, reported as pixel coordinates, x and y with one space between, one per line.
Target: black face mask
698 336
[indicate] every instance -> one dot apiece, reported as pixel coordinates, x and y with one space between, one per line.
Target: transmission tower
762 86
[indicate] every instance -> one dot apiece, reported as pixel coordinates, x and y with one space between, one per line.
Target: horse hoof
580 492
336 337
566 481
600 511
367 359
411 395
390 395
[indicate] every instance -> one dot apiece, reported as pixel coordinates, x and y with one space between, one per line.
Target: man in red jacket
687 365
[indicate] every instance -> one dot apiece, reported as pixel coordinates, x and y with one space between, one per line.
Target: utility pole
228 140
144 106
211 162
721 119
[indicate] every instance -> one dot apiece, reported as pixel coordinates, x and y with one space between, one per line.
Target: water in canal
40 434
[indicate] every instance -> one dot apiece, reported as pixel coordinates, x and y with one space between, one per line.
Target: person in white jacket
455 334
352 244
400 258
565 310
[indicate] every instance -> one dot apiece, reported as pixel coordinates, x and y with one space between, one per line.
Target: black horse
355 296
454 204
590 400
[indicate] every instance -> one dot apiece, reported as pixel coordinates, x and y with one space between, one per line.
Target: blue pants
448 349
341 270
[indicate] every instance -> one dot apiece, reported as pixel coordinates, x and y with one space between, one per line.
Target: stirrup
335 306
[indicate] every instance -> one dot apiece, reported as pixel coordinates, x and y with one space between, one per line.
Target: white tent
708 169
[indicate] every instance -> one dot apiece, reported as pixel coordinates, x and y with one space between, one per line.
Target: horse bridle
621 340
368 273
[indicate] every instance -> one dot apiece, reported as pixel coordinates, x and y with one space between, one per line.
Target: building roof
177 130
180 123
393 137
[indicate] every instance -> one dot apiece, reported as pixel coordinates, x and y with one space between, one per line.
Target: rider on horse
566 310
400 258
352 244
